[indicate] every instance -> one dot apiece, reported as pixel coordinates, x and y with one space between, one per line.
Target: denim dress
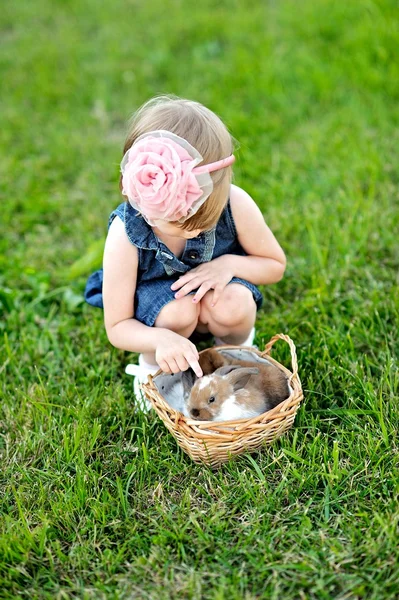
159 268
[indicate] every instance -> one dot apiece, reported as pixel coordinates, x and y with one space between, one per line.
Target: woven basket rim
205 429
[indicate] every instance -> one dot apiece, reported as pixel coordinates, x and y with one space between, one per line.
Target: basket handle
286 338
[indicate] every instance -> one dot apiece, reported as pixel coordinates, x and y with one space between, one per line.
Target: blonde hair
204 130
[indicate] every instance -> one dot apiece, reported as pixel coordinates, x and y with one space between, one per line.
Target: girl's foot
140 373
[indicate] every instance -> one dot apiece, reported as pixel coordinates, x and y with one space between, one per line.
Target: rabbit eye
211 399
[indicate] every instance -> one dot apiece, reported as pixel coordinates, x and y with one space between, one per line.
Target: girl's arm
266 260
120 266
264 264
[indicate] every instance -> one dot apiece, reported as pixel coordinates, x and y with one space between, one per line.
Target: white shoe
248 342
140 373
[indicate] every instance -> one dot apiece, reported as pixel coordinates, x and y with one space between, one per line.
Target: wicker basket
213 442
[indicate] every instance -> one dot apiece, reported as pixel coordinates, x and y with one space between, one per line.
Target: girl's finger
182 363
191 353
189 287
195 351
183 279
173 366
216 294
204 288
177 284
194 364
164 366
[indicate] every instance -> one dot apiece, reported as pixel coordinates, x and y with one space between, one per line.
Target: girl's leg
233 316
180 316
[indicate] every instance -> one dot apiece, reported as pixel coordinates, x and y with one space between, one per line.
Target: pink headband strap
215 166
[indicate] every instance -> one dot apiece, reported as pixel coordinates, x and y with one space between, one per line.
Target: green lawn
99 502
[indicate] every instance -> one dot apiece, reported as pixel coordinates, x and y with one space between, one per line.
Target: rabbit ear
188 379
222 371
240 376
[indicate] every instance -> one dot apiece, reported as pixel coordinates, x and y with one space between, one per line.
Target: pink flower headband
161 179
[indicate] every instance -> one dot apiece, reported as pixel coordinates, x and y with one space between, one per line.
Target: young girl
186 249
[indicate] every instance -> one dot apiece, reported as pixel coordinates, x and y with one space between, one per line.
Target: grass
99 502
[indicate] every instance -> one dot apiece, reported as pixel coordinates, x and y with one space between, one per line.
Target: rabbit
210 360
275 383
237 392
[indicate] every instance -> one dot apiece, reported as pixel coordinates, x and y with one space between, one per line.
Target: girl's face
169 229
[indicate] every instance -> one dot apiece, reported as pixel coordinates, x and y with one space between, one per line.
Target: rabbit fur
234 389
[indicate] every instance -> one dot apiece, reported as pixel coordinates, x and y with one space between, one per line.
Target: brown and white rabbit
236 391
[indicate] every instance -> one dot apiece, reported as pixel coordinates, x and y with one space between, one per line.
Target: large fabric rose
158 178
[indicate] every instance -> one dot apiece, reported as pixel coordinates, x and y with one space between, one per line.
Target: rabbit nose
195 412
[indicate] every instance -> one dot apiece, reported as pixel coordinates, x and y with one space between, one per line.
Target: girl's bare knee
235 305
178 314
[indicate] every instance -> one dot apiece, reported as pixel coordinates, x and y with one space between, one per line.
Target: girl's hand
176 353
213 275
